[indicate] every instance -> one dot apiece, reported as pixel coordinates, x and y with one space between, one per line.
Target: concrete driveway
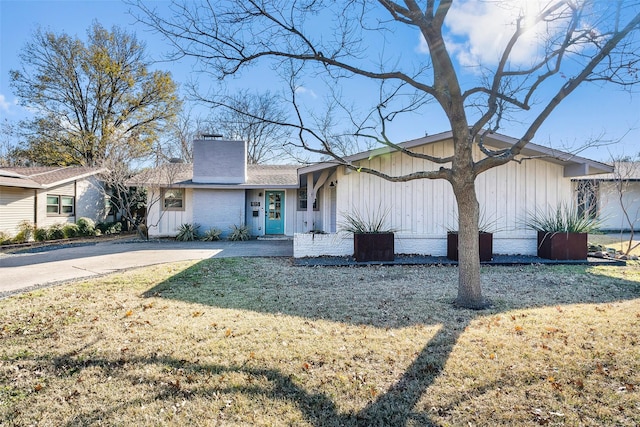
47 266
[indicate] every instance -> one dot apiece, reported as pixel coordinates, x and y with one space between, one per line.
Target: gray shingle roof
181 174
44 176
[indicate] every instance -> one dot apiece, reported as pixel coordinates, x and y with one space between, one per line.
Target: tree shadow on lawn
380 297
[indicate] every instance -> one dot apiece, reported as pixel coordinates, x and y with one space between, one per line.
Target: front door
274 212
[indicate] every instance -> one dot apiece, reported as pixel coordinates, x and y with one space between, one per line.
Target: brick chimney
219 161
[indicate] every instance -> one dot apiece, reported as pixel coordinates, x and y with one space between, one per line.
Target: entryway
274 212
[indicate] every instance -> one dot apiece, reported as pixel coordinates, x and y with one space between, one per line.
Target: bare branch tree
579 42
625 180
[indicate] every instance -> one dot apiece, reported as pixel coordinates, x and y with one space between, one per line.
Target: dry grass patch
260 342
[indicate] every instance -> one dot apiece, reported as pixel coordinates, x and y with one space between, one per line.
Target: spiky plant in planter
372 239
562 232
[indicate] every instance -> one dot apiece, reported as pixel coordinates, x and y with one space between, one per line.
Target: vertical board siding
427 207
167 223
16 205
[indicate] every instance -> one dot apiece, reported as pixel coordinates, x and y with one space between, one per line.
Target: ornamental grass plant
564 218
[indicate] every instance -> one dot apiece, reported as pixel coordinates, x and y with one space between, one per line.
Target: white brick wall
313 245
218 208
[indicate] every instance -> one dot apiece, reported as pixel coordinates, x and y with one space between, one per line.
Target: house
48 195
614 198
220 190
423 211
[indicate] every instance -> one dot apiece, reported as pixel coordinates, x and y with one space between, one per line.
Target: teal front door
274 212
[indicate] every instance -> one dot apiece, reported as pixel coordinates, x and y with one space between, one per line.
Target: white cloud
306 91
5 106
479 30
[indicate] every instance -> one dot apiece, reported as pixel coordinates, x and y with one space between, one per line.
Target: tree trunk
469 288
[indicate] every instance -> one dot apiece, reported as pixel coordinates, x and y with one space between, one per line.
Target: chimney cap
211 136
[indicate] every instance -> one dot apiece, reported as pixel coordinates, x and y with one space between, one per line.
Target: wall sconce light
332 185
259 194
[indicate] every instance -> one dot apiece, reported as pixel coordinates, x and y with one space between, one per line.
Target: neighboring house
614 198
220 190
48 195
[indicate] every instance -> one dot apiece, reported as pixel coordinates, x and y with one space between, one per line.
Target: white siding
90 200
166 223
611 214
45 220
16 205
423 210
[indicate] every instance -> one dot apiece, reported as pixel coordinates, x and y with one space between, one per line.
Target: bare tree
7 143
578 42
255 119
177 140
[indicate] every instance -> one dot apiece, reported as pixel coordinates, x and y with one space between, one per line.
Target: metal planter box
484 239
373 247
562 245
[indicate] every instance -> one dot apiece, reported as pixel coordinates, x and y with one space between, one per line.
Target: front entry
274 212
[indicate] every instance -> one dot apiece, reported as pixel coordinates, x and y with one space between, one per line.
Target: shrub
71 230
25 232
86 226
109 227
239 233
55 232
4 238
212 234
187 232
41 234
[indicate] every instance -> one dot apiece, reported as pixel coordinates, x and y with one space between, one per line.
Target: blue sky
590 112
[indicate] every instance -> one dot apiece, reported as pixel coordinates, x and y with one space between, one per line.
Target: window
173 199
587 192
302 200
60 205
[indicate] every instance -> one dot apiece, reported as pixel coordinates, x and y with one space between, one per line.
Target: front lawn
260 342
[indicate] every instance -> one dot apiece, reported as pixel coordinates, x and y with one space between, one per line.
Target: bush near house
86 226
109 227
212 234
188 232
239 233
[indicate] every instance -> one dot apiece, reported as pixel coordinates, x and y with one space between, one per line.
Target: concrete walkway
46 266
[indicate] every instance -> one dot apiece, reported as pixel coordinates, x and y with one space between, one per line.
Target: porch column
311 197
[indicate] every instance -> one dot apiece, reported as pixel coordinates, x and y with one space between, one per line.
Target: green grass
261 342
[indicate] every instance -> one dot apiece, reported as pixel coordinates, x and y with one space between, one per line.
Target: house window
587 202
60 205
173 199
302 200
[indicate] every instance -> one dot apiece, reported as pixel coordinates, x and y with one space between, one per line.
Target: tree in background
255 119
335 43
89 97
